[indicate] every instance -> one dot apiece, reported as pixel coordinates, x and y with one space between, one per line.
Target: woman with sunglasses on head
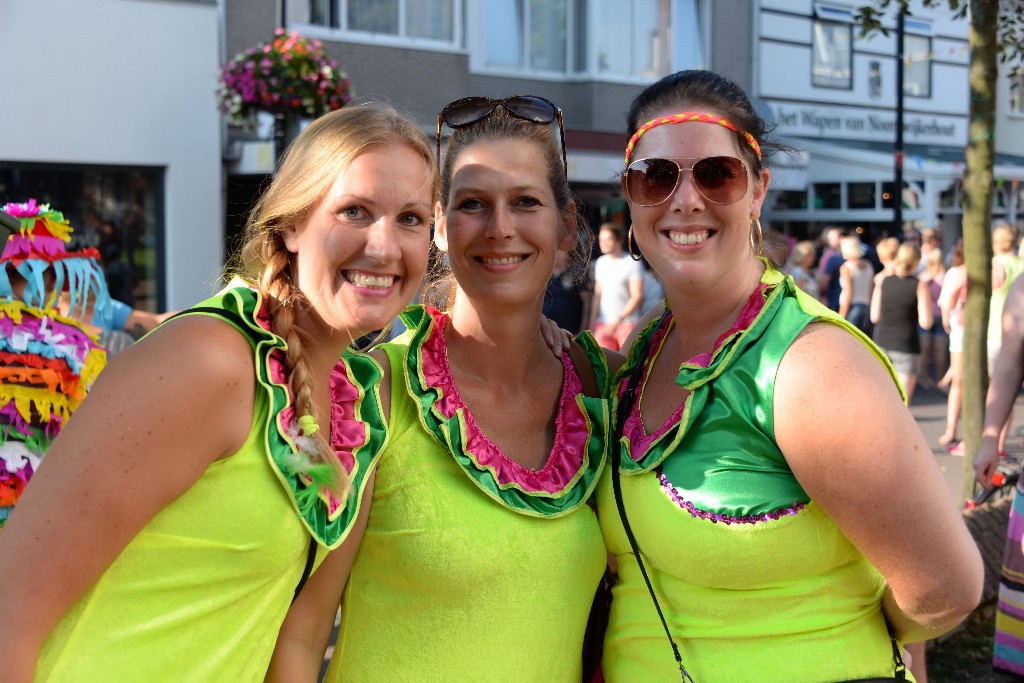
781 498
480 557
219 459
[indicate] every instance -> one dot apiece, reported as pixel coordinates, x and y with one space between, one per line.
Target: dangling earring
629 244
758 249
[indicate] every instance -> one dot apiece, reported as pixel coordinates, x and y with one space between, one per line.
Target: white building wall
124 82
857 113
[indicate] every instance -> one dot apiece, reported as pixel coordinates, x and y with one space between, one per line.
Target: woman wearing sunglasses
181 509
480 556
780 497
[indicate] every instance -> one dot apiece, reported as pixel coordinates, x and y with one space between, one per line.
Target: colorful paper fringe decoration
47 360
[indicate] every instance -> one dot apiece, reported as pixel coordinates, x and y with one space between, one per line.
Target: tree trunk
977 204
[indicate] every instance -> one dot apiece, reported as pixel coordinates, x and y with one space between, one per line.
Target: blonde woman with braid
220 459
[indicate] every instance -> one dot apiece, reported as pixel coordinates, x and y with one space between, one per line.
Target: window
644 38
420 19
832 55
828 195
1017 92
526 34
861 195
917 65
117 210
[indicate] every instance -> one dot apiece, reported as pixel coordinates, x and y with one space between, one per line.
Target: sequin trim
715 517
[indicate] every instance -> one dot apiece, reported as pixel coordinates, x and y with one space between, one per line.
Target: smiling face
688 240
362 251
502 226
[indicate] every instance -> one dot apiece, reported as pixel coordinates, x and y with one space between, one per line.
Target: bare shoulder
615 360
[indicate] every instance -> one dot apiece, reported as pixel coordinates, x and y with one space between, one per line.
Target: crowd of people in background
906 292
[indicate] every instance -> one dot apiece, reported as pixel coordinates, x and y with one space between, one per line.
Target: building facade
108 114
833 97
591 57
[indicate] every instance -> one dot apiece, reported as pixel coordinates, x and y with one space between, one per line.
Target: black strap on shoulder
239 322
310 558
584 369
625 406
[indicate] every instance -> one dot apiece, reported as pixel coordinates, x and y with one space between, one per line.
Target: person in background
618 289
828 267
1008 375
952 299
801 263
899 304
885 251
856 282
219 459
934 340
568 295
760 431
1006 268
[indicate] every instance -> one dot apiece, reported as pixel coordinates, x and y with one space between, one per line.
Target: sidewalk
929 409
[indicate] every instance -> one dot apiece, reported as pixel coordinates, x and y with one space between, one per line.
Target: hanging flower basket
291 75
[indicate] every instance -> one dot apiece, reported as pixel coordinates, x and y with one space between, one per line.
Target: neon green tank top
756 581
200 593
468 572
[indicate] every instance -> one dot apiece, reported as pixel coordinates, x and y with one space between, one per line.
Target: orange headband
691 116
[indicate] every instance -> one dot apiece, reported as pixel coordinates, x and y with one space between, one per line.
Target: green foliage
870 19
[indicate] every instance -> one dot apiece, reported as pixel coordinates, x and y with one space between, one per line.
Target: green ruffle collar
575 463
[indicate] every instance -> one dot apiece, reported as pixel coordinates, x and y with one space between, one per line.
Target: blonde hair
307 170
801 251
933 263
907 258
887 248
851 247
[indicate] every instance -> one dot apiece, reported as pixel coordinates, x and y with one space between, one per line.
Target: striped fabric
1009 645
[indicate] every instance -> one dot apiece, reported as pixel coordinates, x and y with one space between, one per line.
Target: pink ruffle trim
571 430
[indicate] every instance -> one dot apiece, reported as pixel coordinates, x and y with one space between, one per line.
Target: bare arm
1006 381
876 304
156 418
925 316
306 631
872 450
846 290
636 297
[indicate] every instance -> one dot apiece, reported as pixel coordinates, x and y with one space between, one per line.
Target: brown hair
306 172
500 125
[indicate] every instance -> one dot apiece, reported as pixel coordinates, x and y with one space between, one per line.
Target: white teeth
372 281
507 260
689 238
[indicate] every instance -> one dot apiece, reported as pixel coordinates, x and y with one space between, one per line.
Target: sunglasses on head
720 180
469 110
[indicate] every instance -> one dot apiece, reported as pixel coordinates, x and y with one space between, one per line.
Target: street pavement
929 410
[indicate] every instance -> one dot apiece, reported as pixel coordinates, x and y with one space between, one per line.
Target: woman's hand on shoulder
156 418
855 448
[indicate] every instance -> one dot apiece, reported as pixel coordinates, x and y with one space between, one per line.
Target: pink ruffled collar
564 462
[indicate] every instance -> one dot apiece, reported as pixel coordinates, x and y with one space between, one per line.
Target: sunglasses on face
469 110
720 180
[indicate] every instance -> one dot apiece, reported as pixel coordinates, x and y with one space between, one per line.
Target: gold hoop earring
758 249
629 244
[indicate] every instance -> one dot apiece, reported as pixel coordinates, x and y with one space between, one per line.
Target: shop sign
861 124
